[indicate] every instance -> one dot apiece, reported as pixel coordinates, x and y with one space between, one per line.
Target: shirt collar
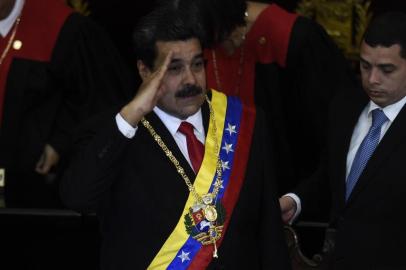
391 111
7 23
172 123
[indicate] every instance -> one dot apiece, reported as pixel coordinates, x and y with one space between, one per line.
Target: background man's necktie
365 150
194 146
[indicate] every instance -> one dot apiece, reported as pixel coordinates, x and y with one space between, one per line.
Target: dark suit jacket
371 225
139 197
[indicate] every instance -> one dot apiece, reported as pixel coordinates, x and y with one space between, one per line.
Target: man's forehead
182 49
380 54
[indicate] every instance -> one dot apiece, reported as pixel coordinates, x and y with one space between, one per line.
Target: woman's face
235 39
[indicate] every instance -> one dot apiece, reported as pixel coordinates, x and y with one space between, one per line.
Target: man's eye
198 66
387 70
175 69
365 66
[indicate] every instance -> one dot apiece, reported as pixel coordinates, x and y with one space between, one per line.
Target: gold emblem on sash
204 222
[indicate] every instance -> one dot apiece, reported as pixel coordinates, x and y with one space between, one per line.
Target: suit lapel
170 142
395 135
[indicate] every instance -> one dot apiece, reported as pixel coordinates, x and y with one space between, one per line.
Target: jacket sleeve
96 162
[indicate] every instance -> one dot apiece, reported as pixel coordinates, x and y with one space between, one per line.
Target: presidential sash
185 248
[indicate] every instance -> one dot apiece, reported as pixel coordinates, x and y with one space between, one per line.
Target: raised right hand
147 95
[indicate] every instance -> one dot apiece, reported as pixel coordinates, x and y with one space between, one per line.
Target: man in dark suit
161 201
365 157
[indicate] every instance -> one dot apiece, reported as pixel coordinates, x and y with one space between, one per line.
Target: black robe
66 70
296 99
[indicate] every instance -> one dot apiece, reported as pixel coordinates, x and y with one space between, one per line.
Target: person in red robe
280 61
56 68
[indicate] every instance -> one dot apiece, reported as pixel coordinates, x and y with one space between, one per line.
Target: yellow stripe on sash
202 184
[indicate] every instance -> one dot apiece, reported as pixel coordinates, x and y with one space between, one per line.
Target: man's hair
387 30
165 23
214 20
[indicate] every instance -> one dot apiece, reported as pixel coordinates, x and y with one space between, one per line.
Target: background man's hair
386 30
214 20
163 24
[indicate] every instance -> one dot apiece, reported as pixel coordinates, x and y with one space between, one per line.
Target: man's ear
143 70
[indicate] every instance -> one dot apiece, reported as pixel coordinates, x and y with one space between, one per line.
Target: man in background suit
161 203
365 165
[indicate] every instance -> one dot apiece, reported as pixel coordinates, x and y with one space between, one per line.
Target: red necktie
194 147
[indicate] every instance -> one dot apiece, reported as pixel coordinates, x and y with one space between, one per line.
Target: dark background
62 239
118 18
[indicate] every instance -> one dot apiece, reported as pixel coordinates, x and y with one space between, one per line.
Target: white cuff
125 128
298 205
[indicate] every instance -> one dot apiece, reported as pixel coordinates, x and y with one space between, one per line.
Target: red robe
291 69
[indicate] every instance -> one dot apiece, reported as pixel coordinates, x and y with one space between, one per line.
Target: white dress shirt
7 23
364 124
172 123
360 131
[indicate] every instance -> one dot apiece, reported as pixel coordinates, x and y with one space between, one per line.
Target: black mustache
189 91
